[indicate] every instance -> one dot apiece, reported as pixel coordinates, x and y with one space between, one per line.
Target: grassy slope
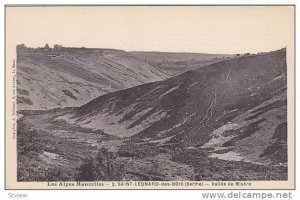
49 78
192 101
178 63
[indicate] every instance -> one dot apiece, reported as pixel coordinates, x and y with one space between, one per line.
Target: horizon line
141 51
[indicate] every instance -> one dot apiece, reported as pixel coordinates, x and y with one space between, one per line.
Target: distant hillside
49 78
178 63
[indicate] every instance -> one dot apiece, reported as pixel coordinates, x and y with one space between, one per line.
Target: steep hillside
226 121
60 77
178 63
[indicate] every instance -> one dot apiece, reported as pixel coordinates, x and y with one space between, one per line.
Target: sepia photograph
124 97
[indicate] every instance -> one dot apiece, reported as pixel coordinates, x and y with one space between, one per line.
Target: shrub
103 167
27 141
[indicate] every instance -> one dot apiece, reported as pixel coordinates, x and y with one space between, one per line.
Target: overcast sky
173 29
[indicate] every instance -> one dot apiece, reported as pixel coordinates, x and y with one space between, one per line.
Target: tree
21 46
57 47
46 46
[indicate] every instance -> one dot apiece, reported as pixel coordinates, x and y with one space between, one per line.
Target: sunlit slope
49 78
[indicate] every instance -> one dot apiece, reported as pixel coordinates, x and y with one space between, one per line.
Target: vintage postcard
150 97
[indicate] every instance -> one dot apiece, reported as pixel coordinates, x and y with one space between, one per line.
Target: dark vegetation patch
278 150
69 94
244 132
143 75
281 132
102 167
142 118
24 100
76 91
222 151
157 127
267 108
22 91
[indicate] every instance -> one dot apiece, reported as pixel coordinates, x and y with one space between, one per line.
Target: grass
32 164
78 161
140 150
213 169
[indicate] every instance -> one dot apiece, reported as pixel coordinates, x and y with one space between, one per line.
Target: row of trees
55 47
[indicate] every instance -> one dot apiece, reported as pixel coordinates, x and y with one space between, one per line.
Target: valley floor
62 152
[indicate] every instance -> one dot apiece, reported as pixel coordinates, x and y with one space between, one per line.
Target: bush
27 141
103 167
